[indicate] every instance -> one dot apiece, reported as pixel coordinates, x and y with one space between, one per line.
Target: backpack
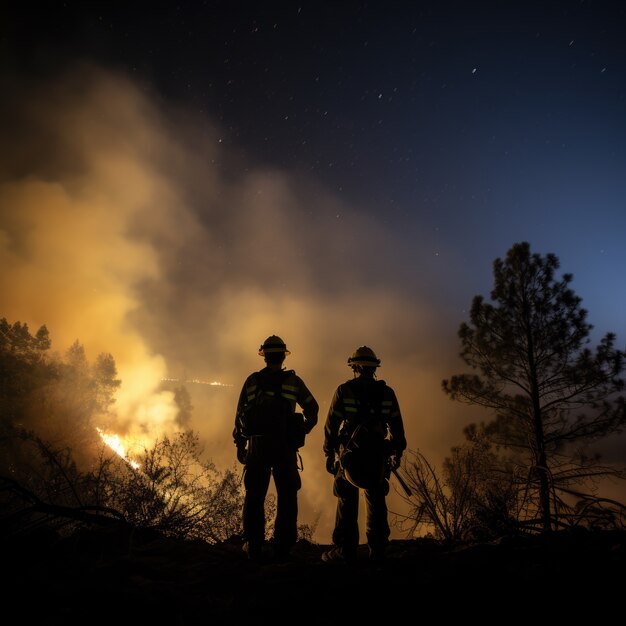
272 415
363 453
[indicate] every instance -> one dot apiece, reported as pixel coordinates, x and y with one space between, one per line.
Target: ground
112 577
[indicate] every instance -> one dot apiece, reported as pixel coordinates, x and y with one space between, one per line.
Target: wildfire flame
196 381
115 443
160 414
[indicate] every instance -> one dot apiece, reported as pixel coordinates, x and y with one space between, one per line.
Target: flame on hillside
197 381
115 443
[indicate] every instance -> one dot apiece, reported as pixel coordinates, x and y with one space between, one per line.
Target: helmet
364 356
273 344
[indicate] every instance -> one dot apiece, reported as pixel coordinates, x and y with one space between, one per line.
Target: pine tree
550 394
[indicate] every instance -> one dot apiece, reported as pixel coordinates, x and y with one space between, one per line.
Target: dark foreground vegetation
114 575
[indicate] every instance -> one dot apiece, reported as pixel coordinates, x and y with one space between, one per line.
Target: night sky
180 180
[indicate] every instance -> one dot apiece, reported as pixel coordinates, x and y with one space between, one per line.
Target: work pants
346 531
266 459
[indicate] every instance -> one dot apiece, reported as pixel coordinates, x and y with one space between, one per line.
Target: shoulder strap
266 382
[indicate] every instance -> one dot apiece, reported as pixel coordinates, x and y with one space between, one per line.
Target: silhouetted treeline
56 467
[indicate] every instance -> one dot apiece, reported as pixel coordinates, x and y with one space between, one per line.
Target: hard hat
363 471
273 344
364 356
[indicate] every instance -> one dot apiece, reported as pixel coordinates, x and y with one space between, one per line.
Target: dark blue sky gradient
469 125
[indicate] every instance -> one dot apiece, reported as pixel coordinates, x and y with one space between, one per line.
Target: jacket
344 414
293 390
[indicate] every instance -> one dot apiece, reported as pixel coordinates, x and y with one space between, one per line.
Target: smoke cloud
132 226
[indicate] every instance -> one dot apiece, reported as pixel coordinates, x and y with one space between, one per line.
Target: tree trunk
542 469
541 460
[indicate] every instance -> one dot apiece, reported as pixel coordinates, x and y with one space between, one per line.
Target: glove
242 453
331 464
394 460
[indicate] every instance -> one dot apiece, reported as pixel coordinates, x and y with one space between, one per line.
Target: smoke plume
134 227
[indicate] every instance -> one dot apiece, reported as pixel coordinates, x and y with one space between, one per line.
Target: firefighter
267 434
363 441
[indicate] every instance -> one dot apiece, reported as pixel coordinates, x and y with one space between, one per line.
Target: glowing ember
115 443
